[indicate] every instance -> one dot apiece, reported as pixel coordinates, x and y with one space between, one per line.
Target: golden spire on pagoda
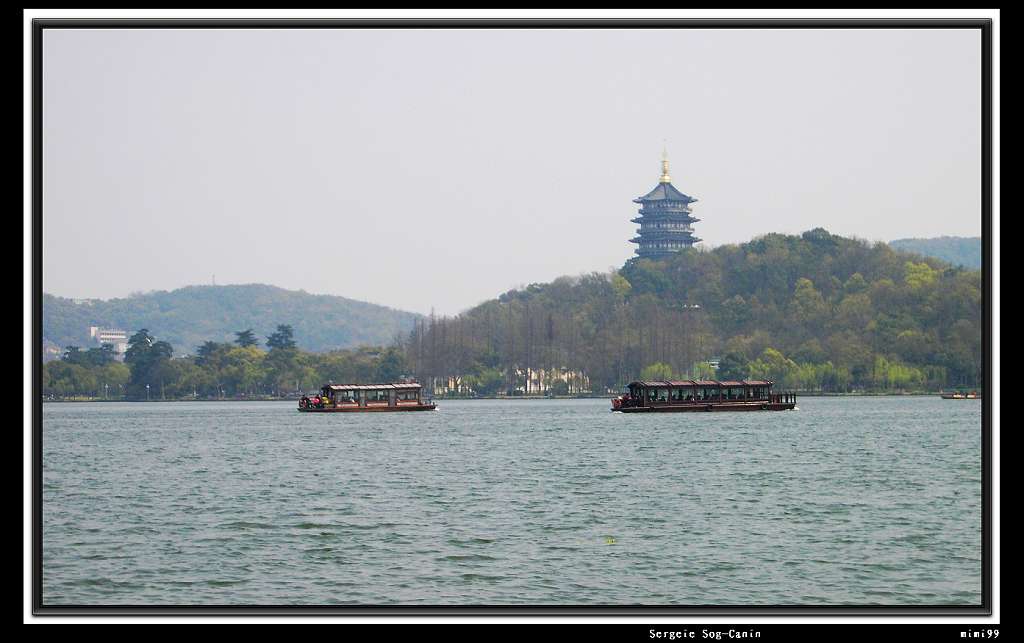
665 178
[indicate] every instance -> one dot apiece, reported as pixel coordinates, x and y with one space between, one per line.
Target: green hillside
959 251
815 312
190 316
812 312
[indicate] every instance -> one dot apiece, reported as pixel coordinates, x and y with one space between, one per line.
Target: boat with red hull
367 398
680 396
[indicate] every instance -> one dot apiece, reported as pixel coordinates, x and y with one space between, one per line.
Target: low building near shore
114 336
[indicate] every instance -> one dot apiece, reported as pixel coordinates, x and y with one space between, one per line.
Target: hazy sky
438 168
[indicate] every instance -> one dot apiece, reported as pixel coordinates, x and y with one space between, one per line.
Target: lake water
545 502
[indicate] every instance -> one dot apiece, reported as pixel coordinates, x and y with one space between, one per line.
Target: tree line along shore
816 313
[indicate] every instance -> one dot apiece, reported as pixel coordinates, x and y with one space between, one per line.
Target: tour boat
702 395
962 396
362 398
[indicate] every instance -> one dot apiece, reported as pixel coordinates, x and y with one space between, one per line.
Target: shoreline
485 397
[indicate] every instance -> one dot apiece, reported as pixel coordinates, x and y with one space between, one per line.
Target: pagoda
664 219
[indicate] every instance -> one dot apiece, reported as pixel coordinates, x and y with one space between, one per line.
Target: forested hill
812 312
190 316
959 251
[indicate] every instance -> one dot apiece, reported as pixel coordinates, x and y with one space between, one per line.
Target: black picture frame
984 25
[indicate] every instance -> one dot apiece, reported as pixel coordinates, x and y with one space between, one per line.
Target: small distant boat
363 398
973 395
702 395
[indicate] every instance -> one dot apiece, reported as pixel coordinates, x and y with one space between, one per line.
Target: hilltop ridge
188 316
959 251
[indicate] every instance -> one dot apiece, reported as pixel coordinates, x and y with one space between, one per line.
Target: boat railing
774 397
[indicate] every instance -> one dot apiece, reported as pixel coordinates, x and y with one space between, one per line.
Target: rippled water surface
547 502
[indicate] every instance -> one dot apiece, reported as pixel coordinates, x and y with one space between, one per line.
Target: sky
433 169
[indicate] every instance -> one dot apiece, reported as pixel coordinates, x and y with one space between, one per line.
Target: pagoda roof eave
665 192
666 232
656 240
666 216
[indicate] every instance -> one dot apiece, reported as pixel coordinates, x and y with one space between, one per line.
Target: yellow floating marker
608 540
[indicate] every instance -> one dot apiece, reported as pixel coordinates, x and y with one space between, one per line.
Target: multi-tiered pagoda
664 219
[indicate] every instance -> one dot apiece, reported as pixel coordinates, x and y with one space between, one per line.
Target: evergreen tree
283 338
391 365
245 338
149 362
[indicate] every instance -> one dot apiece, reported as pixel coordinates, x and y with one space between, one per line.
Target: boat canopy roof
372 387
704 383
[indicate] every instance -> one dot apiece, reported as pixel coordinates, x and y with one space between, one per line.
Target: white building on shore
116 337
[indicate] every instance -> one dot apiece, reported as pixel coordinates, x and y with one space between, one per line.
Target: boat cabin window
682 394
376 396
407 395
345 396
